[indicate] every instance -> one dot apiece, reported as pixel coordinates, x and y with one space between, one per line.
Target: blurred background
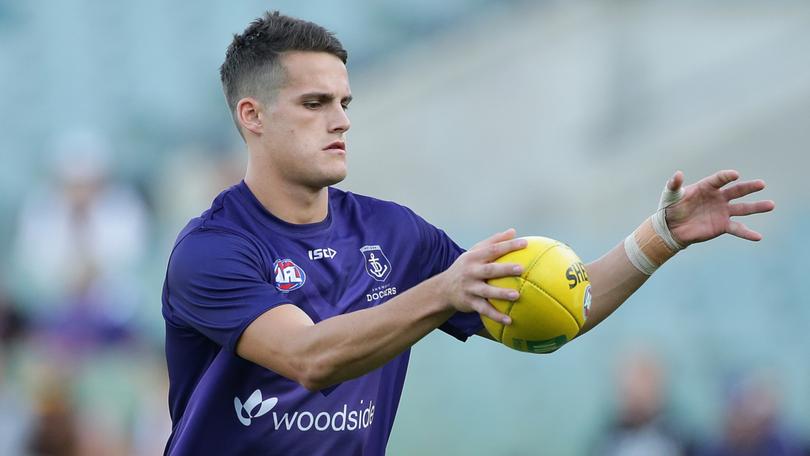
560 118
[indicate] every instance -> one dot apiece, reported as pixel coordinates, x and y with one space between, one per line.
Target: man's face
304 126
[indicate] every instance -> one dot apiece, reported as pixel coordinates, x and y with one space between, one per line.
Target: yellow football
555 297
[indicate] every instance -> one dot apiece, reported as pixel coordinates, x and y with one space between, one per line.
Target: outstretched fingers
721 178
741 231
743 189
758 207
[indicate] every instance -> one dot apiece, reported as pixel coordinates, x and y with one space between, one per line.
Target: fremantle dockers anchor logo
377 265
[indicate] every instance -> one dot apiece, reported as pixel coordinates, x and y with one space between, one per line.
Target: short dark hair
251 66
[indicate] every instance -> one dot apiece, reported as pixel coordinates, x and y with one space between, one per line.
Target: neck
291 203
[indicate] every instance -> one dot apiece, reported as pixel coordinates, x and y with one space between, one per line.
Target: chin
336 180
337 176
330 179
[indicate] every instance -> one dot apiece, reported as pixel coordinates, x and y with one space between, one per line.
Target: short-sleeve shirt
237 261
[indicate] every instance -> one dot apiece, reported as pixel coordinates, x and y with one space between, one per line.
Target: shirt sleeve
217 285
438 253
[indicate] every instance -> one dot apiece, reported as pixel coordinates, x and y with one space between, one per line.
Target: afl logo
288 275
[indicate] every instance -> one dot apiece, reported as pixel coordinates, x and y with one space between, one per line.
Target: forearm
613 280
285 339
350 345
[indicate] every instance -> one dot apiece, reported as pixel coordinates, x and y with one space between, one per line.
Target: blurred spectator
640 427
82 233
752 426
80 241
86 318
12 322
15 412
55 430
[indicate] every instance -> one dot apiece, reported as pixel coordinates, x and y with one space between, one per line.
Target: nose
339 123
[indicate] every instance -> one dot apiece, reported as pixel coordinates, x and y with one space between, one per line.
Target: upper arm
217 284
271 340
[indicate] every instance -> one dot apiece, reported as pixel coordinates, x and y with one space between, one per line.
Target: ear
248 114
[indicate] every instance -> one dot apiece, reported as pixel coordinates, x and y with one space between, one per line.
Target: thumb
675 182
673 191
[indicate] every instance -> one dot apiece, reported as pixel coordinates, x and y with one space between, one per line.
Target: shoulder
217 227
205 250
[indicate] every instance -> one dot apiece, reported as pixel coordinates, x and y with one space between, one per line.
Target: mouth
337 146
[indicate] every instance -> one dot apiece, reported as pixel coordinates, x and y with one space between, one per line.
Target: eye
312 104
345 106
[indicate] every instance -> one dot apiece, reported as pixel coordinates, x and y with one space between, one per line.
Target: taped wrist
647 249
652 244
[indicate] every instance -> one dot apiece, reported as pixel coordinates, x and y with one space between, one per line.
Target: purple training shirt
235 262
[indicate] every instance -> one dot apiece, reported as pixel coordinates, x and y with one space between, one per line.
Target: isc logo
288 276
319 254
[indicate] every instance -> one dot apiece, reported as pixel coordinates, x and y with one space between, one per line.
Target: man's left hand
705 210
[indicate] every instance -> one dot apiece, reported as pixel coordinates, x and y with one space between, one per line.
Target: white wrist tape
668 198
652 244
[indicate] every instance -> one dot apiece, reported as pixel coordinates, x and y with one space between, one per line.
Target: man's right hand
464 284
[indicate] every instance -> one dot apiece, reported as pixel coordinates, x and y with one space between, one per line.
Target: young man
290 306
